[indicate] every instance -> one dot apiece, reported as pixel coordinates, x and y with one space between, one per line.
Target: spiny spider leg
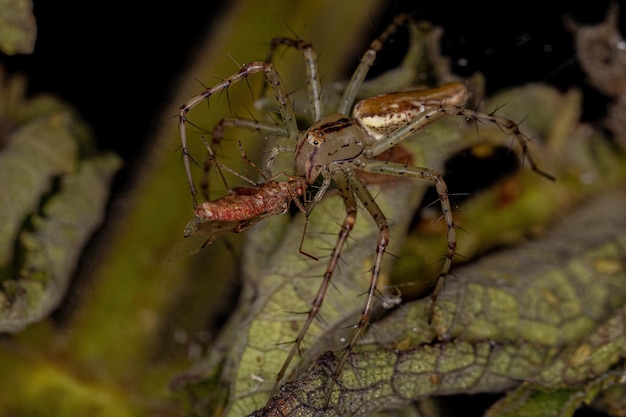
253 125
210 161
422 108
373 115
314 85
390 168
346 228
349 185
503 123
356 187
367 60
284 104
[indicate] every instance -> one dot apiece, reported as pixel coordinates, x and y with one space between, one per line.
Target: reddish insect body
249 203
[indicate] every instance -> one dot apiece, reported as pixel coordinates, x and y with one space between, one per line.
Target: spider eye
315 141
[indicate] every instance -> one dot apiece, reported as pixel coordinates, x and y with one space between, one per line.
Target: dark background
96 54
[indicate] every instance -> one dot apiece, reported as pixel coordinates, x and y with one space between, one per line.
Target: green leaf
58 237
548 313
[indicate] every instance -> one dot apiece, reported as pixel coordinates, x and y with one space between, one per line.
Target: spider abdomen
382 114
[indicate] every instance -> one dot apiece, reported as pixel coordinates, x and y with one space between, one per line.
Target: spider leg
282 98
274 152
346 228
356 187
502 123
390 168
210 161
254 125
433 111
366 62
314 85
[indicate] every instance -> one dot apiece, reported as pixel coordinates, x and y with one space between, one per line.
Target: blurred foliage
541 320
54 190
134 321
18 29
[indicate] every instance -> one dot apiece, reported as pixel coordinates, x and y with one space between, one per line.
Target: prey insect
241 208
341 145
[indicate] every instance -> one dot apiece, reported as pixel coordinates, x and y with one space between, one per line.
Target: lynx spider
338 146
